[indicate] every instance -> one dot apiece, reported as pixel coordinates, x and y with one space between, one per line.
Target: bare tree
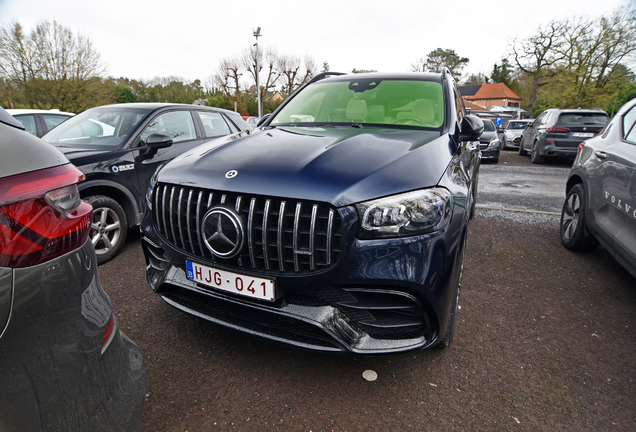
228 76
268 68
536 54
51 67
294 73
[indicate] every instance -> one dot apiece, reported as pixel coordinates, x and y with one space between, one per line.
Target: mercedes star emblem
231 174
222 232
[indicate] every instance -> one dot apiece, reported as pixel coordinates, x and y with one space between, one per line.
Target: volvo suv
339 225
600 205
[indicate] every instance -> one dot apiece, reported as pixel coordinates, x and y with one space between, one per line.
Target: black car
38 122
489 142
558 133
340 224
119 147
65 365
600 205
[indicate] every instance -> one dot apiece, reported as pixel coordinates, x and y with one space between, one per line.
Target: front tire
574 235
109 228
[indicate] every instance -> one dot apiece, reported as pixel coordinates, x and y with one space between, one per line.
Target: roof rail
324 75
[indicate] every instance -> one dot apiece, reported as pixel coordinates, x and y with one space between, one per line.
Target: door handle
600 154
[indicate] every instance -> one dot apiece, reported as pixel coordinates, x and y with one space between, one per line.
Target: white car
512 132
38 122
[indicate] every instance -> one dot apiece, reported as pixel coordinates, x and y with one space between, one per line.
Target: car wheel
522 152
451 328
109 229
535 157
495 160
573 230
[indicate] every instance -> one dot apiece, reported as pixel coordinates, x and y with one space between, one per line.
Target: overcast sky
142 39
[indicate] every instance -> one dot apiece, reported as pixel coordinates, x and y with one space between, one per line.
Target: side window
214 125
629 125
178 125
28 121
540 119
52 120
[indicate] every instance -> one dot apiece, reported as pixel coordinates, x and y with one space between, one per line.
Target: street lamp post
257 33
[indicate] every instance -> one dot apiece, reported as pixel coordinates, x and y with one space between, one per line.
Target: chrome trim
279 239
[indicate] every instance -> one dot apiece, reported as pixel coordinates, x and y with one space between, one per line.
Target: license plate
583 134
249 286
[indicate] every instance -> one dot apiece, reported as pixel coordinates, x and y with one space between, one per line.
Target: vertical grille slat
265 229
189 220
281 236
312 237
250 232
279 239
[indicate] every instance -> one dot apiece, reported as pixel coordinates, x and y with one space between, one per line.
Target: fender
137 215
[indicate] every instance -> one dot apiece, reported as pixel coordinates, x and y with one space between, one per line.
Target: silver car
64 363
512 133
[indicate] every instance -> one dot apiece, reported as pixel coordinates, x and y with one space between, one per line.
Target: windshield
517 125
366 101
489 126
102 126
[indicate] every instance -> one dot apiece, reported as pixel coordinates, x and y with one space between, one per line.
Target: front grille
282 236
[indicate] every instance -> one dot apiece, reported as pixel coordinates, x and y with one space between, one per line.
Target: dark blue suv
340 224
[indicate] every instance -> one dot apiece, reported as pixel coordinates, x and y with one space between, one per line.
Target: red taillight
580 147
41 216
555 129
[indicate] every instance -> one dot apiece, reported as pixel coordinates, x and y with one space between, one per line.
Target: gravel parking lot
545 342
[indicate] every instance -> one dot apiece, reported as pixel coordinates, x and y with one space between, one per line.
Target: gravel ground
545 342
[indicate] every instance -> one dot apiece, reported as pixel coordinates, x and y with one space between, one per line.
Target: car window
489 126
52 120
214 124
103 126
629 125
382 101
28 121
517 125
583 118
178 125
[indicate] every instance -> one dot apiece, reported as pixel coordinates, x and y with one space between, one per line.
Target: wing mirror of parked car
263 119
157 141
471 128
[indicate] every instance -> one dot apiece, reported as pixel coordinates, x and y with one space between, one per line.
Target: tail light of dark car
555 129
42 216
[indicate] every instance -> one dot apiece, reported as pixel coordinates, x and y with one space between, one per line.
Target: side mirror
157 141
263 119
471 128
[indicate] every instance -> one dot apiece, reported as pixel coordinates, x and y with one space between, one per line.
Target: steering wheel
405 120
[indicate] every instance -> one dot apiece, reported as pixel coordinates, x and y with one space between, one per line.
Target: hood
339 165
487 136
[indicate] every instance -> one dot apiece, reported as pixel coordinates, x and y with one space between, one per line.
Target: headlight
509 134
406 214
493 143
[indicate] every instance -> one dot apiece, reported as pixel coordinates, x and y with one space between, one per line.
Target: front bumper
381 296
